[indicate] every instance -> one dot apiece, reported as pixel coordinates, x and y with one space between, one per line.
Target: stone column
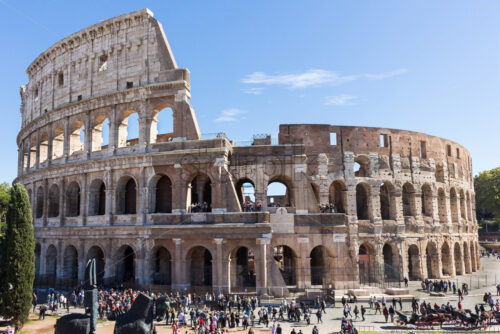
220 280
178 277
303 264
45 201
60 262
50 146
261 265
62 202
113 132
82 261
109 265
87 145
37 154
139 263
84 195
67 139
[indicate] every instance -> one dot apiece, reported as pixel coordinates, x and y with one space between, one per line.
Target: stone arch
467 261
125 264
414 266
284 196
126 195
200 193
446 259
96 252
57 142
199 265
286 259
427 207
454 206
366 263
76 137
457 255
125 132
51 264
70 265
242 267
387 201
73 200
39 202
391 262
245 190
463 213
362 166
160 189
53 201
162 125
97 198
443 216
432 256
363 201
337 196
161 266
100 132
44 146
408 199
321 265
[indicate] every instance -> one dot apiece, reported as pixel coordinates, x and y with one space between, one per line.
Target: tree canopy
487 189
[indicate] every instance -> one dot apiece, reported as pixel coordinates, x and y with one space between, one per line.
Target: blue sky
426 66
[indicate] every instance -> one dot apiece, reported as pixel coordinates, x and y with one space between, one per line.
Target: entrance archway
337 196
414 269
242 262
366 263
51 264
320 265
162 266
95 252
286 260
200 195
125 265
457 254
70 269
390 263
432 259
446 259
200 266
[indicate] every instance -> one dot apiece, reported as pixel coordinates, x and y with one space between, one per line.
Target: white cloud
314 77
340 100
253 90
229 115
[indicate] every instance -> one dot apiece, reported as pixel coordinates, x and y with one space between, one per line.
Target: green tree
18 259
487 189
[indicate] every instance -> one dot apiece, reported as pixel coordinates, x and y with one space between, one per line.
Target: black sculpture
139 320
82 323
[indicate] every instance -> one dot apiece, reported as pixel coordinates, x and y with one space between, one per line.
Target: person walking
356 312
315 330
363 311
391 313
386 313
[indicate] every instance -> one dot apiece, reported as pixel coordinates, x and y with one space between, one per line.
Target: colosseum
184 211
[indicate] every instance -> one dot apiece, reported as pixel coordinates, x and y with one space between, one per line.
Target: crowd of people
444 286
327 208
249 206
199 207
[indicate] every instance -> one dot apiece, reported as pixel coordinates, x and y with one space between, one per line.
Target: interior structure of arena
166 209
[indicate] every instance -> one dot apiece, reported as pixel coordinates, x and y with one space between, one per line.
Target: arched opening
33 152
97 198
362 201
95 252
337 196
39 202
77 137
457 255
128 130
25 155
126 196
73 200
432 259
125 265
446 259
242 262
200 194
321 267
408 200
100 133
286 259
162 126
414 263
427 200
38 252
473 257
362 166
442 206
467 261
454 206
162 266
245 189
279 192
51 264
390 263
163 194
44 147
200 266
463 215
387 203
58 142
53 201
366 263
70 266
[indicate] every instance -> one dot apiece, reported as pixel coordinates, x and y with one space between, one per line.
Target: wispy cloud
229 115
340 100
253 90
314 77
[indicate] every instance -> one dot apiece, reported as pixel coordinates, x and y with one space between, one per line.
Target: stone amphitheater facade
404 201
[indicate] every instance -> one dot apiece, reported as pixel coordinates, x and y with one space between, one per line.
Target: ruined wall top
127 51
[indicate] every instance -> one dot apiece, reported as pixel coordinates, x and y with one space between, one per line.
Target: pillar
303 264
221 282
178 277
261 265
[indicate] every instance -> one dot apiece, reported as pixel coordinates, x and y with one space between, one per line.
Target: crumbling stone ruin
402 202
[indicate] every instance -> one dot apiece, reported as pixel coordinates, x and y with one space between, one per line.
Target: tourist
363 311
318 316
356 312
391 313
406 281
34 301
315 330
386 313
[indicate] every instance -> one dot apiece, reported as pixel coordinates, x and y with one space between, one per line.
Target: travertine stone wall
404 201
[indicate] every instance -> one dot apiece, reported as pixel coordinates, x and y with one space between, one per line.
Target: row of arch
56 142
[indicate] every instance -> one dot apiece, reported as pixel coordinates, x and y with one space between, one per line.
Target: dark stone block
73 323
